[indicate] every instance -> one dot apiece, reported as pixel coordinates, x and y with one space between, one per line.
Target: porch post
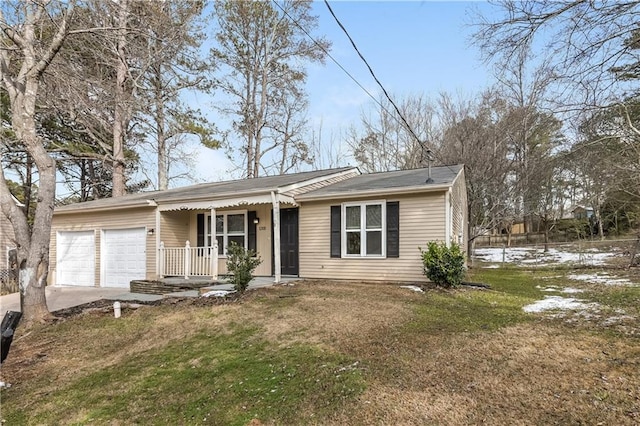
214 246
160 260
277 263
187 260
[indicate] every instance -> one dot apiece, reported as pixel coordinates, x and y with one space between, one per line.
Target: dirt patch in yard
328 312
529 374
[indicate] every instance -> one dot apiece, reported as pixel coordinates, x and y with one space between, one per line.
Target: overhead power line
401 118
326 52
373 74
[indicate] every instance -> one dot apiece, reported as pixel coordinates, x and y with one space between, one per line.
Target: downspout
277 262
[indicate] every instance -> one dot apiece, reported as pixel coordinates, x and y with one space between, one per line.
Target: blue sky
412 46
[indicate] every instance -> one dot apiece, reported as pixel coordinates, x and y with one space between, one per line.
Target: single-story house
7 240
582 212
335 223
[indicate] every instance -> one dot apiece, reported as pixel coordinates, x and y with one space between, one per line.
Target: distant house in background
7 240
335 223
581 212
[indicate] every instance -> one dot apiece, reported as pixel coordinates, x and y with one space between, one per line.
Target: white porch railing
188 261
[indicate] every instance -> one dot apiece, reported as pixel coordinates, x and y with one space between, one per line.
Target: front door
289 241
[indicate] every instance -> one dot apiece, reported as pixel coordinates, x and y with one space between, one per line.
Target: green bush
241 263
443 265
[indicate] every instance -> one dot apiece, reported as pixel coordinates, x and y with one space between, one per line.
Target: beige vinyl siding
459 210
98 221
422 219
174 228
7 240
264 243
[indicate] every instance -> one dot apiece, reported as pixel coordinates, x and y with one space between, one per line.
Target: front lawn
324 352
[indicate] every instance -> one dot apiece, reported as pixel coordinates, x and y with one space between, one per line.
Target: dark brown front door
289 241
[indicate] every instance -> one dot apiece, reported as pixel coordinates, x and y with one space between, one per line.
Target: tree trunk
33 244
21 83
163 169
546 234
599 219
120 113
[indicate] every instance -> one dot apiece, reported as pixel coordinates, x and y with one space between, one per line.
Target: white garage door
124 256
75 258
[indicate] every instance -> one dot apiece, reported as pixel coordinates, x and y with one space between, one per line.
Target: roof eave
375 192
79 208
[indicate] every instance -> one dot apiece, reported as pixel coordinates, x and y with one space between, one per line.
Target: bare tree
592 50
473 133
586 40
384 143
326 153
28 44
262 50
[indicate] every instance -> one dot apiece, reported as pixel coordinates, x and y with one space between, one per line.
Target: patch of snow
560 290
511 255
218 293
557 302
537 256
491 266
413 288
570 290
616 320
602 278
5 385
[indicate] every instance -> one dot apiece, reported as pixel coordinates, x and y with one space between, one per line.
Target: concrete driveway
67 297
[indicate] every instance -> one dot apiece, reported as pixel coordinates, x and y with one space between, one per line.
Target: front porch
191 238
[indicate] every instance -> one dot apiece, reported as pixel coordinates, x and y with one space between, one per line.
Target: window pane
238 239
374 242
374 217
220 240
235 224
353 242
353 217
219 224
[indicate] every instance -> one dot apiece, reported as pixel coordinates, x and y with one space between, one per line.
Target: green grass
472 310
209 378
627 298
218 366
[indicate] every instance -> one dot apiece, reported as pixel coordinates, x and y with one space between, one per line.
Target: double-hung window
363 230
230 227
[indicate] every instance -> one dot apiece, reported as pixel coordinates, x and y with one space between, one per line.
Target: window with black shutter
393 229
336 231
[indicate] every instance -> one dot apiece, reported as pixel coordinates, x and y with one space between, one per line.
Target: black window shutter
252 231
393 229
200 242
335 231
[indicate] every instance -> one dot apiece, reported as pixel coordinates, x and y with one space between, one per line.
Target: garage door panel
124 256
75 258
